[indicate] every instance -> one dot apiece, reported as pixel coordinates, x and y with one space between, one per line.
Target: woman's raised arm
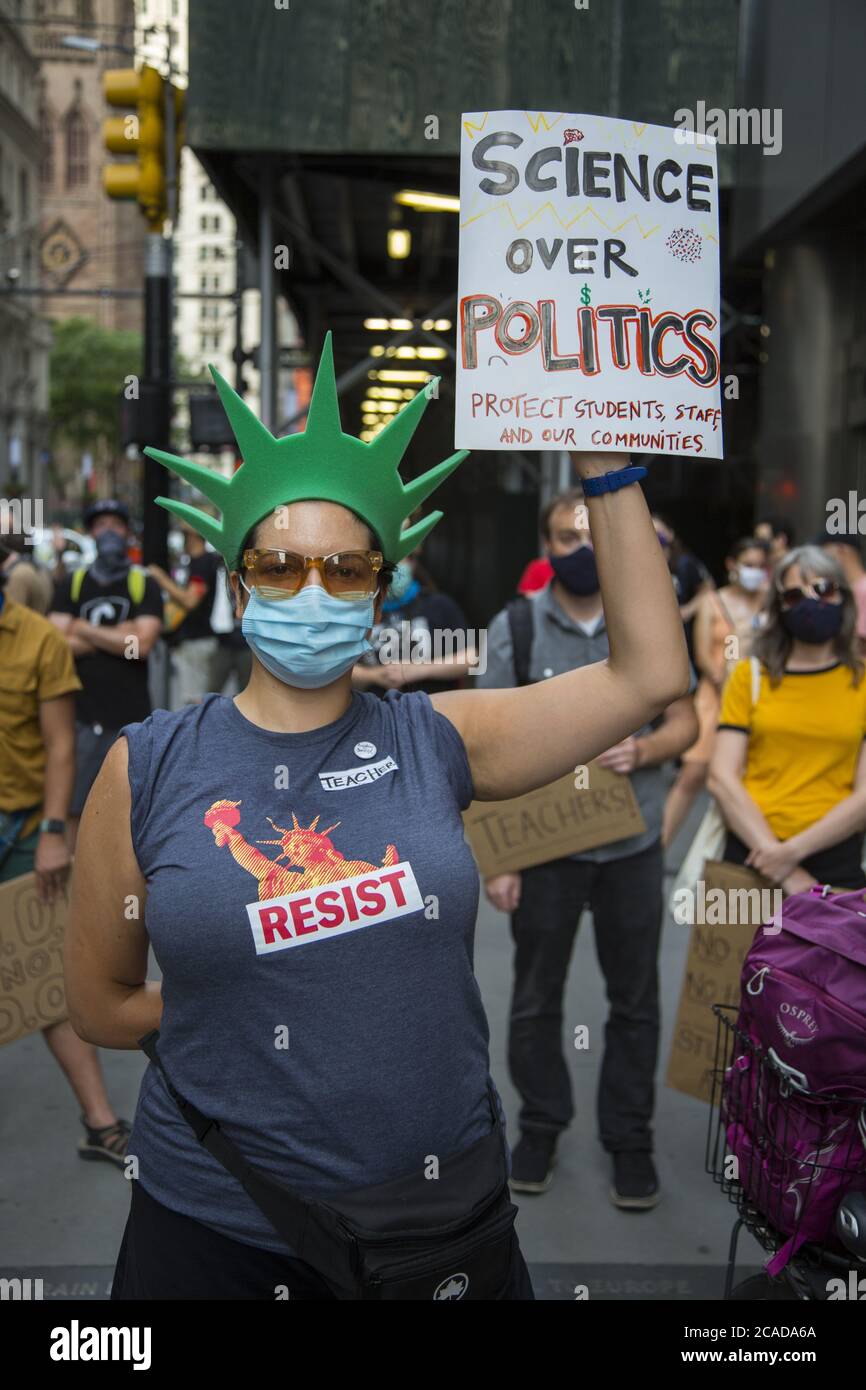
111 1004
523 738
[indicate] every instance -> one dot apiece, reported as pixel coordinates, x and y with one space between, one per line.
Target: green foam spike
320 462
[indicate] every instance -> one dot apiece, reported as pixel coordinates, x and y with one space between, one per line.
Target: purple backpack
794 1099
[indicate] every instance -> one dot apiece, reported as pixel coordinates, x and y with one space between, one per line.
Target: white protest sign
588 285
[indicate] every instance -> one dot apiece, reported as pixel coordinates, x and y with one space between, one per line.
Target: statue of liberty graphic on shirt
311 857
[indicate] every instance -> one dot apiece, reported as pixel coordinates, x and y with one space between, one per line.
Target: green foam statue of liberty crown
320 462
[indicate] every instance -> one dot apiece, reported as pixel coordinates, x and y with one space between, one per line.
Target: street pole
158 318
240 385
267 363
157 384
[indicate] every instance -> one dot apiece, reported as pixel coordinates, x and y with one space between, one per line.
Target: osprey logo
455 1286
796 1025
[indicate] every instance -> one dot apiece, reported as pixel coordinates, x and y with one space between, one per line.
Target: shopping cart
761 1109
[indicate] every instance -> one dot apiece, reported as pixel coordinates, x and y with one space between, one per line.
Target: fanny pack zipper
358 1233
422 1261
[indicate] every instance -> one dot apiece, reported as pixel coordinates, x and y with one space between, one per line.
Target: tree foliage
88 370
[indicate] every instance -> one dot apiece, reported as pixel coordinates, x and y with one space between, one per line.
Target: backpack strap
755 667
287 1211
136 581
520 621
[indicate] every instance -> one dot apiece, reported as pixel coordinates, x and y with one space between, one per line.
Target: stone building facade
87 240
25 337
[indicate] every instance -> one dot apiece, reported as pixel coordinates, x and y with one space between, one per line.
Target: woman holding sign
296 857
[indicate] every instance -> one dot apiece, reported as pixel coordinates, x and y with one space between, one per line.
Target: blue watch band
610 482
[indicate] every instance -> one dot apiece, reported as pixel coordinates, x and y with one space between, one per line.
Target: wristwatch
52 827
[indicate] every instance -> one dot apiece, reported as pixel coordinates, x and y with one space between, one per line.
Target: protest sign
588 286
552 822
712 974
31 959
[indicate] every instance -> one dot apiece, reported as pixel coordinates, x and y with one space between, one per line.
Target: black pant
164 1255
625 897
839 865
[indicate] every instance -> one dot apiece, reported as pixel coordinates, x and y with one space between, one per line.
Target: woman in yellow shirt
789 769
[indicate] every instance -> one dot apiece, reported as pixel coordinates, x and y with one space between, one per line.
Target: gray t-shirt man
559 644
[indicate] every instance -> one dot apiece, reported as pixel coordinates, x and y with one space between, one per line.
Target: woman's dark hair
386 573
773 644
747 543
779 526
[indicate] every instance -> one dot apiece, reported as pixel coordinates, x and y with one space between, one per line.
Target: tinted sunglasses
280 574
823 589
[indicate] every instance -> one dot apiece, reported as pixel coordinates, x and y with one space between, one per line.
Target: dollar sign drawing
584 294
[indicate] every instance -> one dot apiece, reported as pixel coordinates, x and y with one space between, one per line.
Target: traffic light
141 132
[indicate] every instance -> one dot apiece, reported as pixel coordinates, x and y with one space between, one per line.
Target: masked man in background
558 629
111 616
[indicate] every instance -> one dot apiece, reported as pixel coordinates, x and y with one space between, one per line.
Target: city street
431 452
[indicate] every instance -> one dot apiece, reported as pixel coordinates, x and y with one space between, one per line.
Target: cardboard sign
552 822
588 285
712 976
31 959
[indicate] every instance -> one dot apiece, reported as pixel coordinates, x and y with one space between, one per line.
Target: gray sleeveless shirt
311 902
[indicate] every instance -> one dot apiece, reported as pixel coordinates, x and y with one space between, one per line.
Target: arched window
77 149
46 128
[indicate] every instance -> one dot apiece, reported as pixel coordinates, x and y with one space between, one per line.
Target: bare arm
688 610
523 738
677 732
188 596
78 643
116 640
111 1003
725 783
57 726
706 659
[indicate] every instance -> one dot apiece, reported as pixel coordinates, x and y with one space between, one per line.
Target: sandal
109 1142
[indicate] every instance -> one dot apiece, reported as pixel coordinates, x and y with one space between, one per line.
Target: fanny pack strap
288 1213
312 1228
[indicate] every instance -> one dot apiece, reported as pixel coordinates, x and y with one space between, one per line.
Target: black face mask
577 571
112 559
810 620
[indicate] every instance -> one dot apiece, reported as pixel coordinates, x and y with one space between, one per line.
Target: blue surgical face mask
309 640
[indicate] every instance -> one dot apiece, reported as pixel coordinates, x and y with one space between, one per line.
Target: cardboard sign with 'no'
31 959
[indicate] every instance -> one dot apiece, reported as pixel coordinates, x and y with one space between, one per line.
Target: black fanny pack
414 1237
